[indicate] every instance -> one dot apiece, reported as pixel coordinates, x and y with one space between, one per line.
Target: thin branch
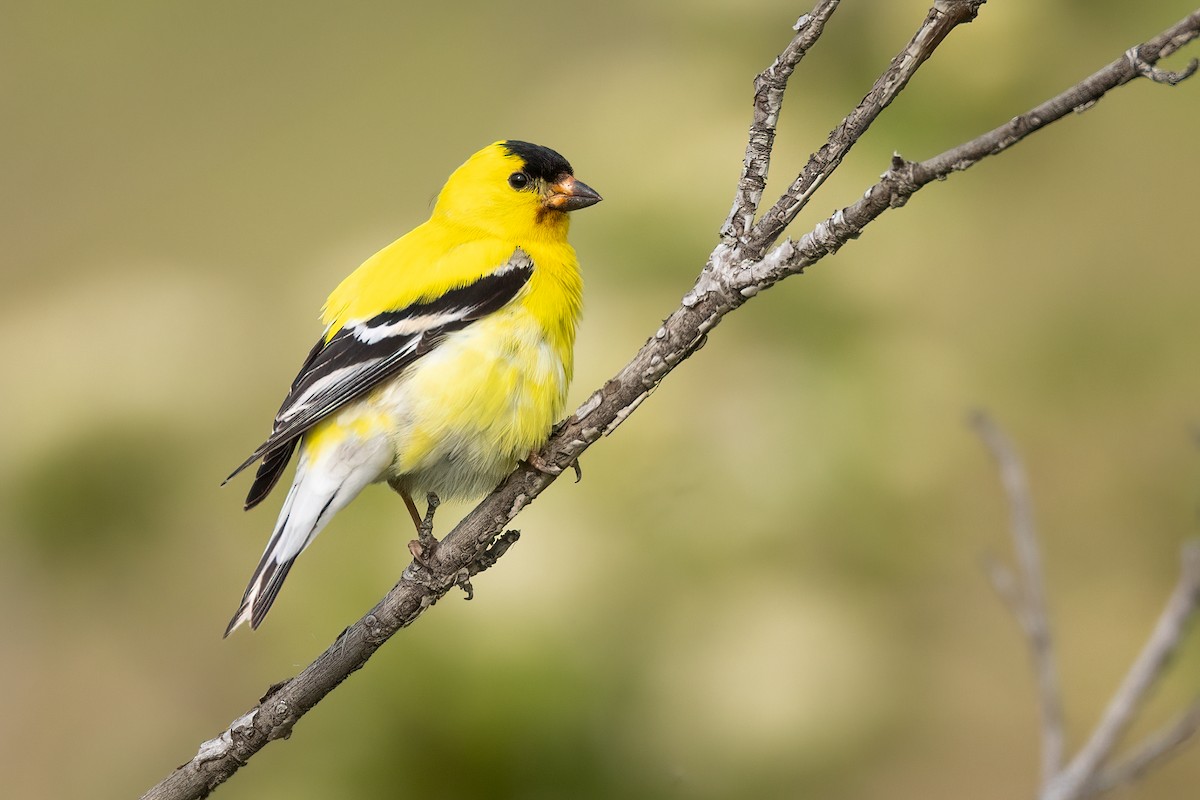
1078 779
769 87
905 178
1086 776
728 279
1156 747
942 18
1083 776
1004 582
1030 594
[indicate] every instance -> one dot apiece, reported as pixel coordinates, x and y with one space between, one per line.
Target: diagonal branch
1086 775
1153 749
942 18
728 279
769 87
1082 775
905 178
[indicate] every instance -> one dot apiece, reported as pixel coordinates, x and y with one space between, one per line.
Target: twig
728 279
1085 775
1156 746
1004 582
769 87
1080 777
1028 596
905 177
942 18
1157 75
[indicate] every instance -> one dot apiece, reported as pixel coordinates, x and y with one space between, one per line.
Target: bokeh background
768 583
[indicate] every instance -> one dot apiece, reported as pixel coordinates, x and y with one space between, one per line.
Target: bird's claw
536 461
419 552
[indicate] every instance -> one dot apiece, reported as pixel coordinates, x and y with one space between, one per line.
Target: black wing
364 354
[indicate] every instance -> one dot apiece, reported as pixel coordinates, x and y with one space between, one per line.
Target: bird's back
442 254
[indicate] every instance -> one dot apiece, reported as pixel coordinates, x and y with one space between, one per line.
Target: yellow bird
445 359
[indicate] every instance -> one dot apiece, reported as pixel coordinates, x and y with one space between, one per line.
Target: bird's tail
312 501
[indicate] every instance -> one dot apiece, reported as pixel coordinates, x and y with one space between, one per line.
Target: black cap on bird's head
540 162
545 166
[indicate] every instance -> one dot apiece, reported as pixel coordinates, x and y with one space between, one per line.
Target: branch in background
1087 774
1083 775
1155 747
1027 597
735 271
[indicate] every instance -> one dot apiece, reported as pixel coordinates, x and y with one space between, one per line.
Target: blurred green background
768 583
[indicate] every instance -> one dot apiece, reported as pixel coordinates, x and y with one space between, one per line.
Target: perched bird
445 359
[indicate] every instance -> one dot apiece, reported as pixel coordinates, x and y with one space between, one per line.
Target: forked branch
942 18
1089 773
769 88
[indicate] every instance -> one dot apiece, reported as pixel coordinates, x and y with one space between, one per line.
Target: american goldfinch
445 359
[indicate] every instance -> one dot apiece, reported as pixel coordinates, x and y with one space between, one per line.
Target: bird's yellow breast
469 410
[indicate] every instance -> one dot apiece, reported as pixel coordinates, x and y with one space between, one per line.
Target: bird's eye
518 180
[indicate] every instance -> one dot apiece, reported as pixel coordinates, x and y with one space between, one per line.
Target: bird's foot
423 547
535 460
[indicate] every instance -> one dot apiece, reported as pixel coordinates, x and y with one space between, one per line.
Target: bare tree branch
734 272
1027 595
906 177
1082 776
943 17
1004 582
1155 747
769 87
1086 776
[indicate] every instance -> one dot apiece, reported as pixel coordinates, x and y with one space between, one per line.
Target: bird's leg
423 546
408 503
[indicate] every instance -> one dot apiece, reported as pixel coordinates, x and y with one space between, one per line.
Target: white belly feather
466 412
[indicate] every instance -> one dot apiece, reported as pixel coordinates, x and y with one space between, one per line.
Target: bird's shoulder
420 266
437 257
